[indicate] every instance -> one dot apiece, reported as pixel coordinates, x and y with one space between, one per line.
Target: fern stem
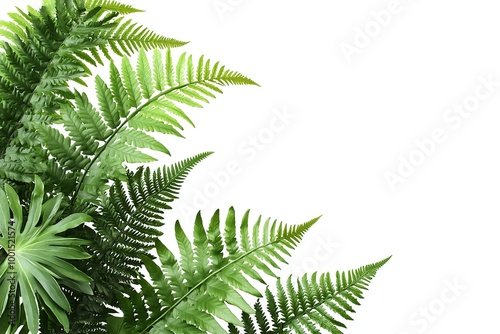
117 130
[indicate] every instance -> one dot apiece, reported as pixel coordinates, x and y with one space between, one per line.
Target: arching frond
148 97
313 304
190 292
125 227
42 51
130 37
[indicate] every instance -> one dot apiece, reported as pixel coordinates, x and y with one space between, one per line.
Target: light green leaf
131 83
128 153
145 75
141 140
109 107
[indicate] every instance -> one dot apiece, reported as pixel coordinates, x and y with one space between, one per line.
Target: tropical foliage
81 212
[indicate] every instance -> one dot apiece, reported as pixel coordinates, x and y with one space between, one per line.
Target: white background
353 120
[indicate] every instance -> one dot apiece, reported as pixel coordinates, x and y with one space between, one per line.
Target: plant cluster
79 227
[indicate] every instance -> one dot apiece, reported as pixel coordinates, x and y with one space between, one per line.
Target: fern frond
141 140
102 138
45 49
126 223
119 151
35 66
211 273
18 26
107 104
145 74
92 121
125 227
136 207
130 37
140 101
312 304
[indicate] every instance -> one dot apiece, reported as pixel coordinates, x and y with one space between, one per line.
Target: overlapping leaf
212 272
42 51
138 101
128 221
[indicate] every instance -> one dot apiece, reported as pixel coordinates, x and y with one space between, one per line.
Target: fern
312 305
136 102
133 212
189 293
130 37
125 227
100 140
42 51
53 133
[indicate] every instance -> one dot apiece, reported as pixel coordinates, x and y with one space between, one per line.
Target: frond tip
129 37
314 304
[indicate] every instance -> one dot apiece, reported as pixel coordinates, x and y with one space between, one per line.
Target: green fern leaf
200 285
155 111
10 30
133 103
160 110
178 96
107 104
46 49
130 37
169 69
166 107
181 70
19 26
158 68
119 92
313 304
130 221
41 54
141 140
150 124
119 150
76 129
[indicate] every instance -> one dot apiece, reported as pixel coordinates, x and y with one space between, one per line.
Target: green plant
77 223
39 254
